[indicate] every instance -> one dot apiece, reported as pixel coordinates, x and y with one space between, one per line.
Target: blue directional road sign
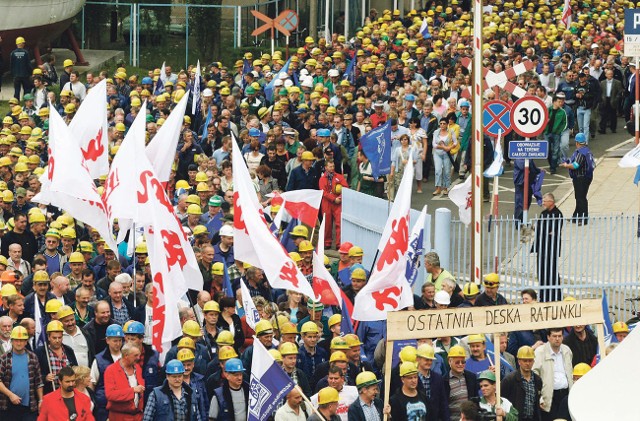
528 149
632 32
496 118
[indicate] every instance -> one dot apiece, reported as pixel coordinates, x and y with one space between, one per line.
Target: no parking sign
496 118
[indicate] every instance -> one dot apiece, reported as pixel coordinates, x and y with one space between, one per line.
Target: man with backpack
581 166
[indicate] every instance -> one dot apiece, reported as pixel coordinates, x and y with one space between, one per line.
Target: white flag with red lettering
323 283
67 183
89 128
253 242
120 194
161 151
387 288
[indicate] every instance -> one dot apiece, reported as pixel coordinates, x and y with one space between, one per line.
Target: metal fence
603 255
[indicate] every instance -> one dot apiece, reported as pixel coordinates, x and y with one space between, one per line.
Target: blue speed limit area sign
529 116
496 118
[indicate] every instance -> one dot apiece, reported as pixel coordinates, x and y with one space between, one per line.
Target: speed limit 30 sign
529 116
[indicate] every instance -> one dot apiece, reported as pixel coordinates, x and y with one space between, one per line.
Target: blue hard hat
174 367
134 328
409 97
323 133
464 103
557 53
114 331
254 132
356 266
233 365
147 80
581 138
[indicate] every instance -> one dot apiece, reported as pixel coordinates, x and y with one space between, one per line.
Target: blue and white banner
268 90
496 169
269 384
250 310
377 147
424 29
195 104
416 248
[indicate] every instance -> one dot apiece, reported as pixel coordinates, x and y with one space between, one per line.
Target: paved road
558 183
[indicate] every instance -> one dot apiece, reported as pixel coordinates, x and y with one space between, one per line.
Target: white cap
307 82
441 297
226 230
334 73
304 72
207 92
283 76
278 82
288 83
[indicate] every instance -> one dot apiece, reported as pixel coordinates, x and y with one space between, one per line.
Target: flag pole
476 159
134 265
308 402
496 183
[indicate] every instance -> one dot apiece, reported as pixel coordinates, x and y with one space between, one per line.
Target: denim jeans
442 166
554 150
584 119
564 144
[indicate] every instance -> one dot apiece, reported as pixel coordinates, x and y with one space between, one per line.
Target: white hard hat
442 298
334 73
207 92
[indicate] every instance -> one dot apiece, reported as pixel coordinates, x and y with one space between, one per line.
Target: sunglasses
491 284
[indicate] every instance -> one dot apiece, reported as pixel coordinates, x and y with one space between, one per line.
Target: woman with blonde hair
83 383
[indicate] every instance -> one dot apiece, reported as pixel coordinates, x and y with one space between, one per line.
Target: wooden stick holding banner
388 360
497 364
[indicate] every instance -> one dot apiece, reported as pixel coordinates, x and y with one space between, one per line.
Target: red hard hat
344 247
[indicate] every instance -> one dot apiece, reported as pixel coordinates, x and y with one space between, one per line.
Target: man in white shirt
73 336
553 362
292 410
6 324
347 394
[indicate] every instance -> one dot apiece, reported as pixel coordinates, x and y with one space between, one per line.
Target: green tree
205 24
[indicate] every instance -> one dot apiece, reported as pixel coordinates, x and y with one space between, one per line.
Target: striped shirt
457 395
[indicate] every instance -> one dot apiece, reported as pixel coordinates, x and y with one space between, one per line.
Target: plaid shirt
529 397
35 379
57 363
426 382
179 408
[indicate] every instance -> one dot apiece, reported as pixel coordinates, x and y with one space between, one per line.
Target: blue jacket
20 63
225 403
202 357
370 333
438 396
200 397
357 414
151 370
160 404
308 363
300 179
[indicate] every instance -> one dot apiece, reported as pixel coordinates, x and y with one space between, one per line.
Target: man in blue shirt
304 176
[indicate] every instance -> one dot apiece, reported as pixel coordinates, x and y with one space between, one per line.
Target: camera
483 414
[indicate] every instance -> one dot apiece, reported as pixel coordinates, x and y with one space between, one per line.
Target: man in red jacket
331 184
66 403
124 386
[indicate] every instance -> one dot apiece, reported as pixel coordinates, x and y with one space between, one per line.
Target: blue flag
226 282
346 326
268 90
377 147
636 179
159 87
607 325
416 248
268 386
350 74
205 131
246 68
285 239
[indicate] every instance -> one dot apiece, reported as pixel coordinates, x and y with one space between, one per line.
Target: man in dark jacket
20 64
173 399
583 344
368 400
222 403
523 387
53 356
547 245
96 329
432 383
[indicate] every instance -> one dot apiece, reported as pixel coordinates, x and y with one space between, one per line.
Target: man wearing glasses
490 296
461 384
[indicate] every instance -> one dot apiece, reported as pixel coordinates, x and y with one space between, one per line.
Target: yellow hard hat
225 338
20 40
217 269
526 353
185 355
356 251
359 273
277 356
305 245
182 184
55 326
408 368
193 199
202 187
408 354
276 322
8 290
366 378
295 256
338 356
457 351
339 343
263 327
328 395
76 257
65 311
426 351
470 289
334 320
141 248
211 306
308 156
194 209
491 278
476 339
581 369
20 332
68 233
288 328
201 177
352 340
52 306
186 343
41 276
85 247
309 327
226 352
191 328
288 348
620 327
36 217
300 231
